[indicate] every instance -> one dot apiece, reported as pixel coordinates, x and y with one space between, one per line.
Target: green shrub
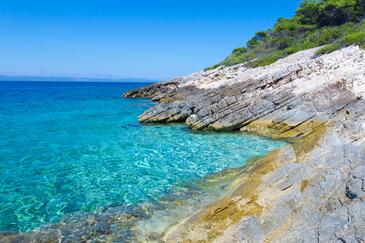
325 35
357 38
284 25
328 49
237 58
292 50
285 42
267 60
239 55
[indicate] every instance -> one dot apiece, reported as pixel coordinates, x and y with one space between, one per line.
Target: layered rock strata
312 190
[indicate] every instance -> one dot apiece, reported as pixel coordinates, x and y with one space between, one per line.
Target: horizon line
66 78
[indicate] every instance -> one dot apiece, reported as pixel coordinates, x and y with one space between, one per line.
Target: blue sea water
69 147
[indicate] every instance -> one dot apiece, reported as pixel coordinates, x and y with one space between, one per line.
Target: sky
155 39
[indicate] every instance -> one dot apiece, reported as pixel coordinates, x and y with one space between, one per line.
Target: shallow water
69 147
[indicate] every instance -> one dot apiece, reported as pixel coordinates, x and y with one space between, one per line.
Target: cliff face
311 190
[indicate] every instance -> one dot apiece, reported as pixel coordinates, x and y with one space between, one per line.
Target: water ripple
70 148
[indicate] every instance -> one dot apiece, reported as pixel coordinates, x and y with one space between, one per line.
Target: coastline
116 221
238 197
299 191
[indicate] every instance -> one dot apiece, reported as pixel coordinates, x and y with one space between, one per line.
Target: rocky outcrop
153 90
309 191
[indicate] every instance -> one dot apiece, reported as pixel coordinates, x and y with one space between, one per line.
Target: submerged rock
312 190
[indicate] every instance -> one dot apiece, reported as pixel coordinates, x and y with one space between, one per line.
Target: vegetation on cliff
329 23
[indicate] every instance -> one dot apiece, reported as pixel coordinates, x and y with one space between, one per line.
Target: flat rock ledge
311 190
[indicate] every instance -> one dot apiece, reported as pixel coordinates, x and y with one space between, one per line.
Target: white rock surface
316 195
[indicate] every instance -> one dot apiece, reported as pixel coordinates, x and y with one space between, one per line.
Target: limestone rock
311 191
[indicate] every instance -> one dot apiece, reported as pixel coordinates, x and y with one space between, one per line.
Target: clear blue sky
155 39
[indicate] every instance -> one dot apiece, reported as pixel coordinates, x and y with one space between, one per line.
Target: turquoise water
69 147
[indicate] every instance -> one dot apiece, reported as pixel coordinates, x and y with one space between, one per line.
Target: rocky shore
312 190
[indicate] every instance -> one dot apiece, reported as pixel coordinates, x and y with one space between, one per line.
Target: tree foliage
315 23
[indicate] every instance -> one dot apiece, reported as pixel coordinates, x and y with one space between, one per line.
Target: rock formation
313 189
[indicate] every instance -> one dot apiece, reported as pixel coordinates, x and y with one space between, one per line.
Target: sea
68 147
